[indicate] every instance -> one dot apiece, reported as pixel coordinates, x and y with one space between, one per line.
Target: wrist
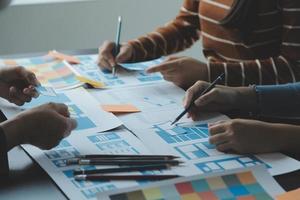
12 133
246 99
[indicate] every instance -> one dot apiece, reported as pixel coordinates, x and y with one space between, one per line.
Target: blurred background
40 25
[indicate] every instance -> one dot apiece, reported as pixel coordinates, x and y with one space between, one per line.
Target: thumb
124 54
71 125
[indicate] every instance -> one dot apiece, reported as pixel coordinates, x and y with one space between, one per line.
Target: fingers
28 76
31 91
219 138
163 67
106 58
216 129
17 97
193 91
71 125
208 97
124 54
225 147
59 108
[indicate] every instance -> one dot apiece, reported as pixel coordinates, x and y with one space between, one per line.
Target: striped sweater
270 54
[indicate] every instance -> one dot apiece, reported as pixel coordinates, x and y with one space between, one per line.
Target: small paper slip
292 195
95 84
141 66
46 91
125 108
61 56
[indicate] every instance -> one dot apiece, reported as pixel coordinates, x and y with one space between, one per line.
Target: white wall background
80 25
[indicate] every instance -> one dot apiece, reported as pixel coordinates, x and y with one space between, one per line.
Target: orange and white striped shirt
270 54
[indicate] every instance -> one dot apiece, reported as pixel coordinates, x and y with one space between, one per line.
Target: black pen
209 88
122 162
117 43
124 177
122 169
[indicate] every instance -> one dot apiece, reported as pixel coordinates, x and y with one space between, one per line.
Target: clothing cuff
4 168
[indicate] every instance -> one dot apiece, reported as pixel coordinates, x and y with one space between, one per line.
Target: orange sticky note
122 108
292 195
61 56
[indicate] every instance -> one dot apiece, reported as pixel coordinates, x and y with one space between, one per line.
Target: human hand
219 99
17 85
245 136
182 71
44 126
106 58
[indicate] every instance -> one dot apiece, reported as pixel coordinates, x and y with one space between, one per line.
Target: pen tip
120 18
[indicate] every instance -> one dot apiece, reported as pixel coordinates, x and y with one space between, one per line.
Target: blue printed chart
190 142
89 68
54 161
85 115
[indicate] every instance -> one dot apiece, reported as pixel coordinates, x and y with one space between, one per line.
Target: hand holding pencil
219 99
112 53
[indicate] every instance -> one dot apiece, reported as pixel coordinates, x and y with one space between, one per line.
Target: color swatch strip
240 186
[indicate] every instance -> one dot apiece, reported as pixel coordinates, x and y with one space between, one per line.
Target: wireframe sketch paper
124 78
114 142
89 115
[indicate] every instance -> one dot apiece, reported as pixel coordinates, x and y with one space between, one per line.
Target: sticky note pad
61 56
95 84
121 108
292 195
46 91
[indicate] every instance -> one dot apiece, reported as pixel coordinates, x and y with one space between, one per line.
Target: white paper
123 78
200 157
82 106
259 172
53 161
148 98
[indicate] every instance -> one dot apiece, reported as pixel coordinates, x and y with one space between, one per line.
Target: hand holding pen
112 53
190 102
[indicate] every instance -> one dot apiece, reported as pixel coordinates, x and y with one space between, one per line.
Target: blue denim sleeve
279 100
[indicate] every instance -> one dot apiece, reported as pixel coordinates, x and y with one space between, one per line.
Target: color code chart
239 186
48 71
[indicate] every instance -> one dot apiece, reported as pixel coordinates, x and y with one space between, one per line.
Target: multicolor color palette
49 72
55 74
240 186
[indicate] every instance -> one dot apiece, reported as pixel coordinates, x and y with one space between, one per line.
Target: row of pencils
124 164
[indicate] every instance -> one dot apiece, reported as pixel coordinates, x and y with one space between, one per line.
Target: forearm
288 137
175 36
10 129
270 71
279 101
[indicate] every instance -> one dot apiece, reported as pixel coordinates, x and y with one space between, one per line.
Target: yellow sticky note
95 84
292 195
122 108
61 56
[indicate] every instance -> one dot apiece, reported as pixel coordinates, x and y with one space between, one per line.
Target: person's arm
175 36
280 69
3 155
279 101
